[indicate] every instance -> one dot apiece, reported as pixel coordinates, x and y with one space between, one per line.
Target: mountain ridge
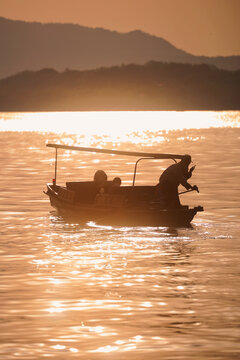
34 45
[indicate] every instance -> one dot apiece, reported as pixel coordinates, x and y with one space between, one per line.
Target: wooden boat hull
148 214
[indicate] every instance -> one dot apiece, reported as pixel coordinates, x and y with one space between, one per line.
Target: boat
132 205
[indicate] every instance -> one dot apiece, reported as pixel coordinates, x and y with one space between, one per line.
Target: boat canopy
117 152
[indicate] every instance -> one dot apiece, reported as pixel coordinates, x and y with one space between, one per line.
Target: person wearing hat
171 178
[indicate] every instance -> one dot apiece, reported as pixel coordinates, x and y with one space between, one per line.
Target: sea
91 292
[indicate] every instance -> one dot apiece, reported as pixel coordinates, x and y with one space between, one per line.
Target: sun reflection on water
73 290
102 333
78 272
117 126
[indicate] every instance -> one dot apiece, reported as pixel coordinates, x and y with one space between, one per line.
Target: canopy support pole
55 175
135 168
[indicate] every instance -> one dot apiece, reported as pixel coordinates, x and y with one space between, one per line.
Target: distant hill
33 46
153 86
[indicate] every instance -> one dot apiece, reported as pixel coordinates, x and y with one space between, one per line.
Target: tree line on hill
153 86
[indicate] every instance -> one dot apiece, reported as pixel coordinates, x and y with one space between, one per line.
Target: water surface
89 292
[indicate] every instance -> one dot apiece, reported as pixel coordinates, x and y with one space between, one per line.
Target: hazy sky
201 27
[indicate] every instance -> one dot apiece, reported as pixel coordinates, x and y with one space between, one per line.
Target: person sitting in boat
116 183
100 178
171 178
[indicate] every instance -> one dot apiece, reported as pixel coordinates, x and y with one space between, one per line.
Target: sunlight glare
105 349
115 125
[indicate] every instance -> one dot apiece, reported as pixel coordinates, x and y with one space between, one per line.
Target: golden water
88 292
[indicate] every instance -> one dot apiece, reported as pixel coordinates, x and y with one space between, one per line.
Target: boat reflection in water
125 205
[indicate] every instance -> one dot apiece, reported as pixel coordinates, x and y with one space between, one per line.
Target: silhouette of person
116 183
100 178
171 178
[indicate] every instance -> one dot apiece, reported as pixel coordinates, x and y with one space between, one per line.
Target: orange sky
201 27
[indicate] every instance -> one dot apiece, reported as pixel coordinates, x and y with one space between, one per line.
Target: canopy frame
142 155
